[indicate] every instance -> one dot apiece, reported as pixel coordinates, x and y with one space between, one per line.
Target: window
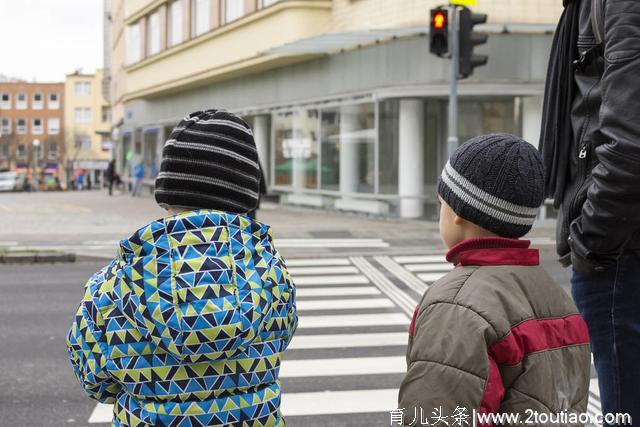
5 101
106 114
82 88
134 40
38 102
174 23
201 13
296 143
54 101
267 3
21 126
83 142
234 9
53 126
21 101
82 115
21 151
36 127
4 151
153 34
348 148
5 126
53 151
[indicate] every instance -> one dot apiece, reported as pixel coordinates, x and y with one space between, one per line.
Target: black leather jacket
599 216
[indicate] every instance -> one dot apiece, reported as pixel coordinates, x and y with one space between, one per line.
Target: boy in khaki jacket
496 334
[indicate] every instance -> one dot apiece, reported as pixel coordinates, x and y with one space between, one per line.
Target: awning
336 42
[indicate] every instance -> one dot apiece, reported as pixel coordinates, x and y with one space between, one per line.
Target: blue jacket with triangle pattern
186 326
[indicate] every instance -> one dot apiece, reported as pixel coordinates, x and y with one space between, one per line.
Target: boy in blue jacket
186 326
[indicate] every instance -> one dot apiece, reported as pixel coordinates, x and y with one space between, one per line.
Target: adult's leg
609 302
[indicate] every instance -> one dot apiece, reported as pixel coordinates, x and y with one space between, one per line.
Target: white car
10 181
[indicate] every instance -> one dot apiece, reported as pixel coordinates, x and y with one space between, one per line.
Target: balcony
232 50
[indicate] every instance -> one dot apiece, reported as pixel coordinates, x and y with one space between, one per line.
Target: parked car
11 181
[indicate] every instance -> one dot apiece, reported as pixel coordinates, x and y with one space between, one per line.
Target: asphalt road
38 388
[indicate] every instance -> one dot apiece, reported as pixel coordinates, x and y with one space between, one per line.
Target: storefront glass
388 146
296 148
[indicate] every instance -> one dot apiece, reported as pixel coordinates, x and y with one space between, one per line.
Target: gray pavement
344 365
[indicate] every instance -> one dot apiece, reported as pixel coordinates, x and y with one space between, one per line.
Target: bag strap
597 20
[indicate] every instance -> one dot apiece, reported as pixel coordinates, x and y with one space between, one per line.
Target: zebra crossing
347 359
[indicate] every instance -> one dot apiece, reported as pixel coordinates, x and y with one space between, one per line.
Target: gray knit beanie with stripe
210 161
495 181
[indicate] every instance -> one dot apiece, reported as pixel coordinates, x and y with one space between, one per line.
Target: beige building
340 93
87 126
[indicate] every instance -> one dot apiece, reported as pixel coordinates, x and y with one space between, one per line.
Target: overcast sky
48 39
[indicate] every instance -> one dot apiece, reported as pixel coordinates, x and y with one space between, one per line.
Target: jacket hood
200 284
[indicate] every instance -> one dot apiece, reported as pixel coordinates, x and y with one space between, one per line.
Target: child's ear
458 220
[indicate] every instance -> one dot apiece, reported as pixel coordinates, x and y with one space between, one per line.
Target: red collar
493 251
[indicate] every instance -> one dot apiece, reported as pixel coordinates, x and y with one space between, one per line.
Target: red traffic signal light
439 31
439 20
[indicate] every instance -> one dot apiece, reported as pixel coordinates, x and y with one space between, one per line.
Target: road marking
431 277
415 259
336 291
402 300
343 366
102 413
339 402
101 242
419 268
300 271
330 280
351 320
302 262
8 243
383 339
406 277
347 304
331 243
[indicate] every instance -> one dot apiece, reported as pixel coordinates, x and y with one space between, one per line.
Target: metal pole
452 140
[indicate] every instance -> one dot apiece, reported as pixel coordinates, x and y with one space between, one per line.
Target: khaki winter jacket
496 335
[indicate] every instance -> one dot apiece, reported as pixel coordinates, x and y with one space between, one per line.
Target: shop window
296 148
348 148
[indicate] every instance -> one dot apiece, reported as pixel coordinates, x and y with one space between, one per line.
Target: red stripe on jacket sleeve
412 325
493 392
539 334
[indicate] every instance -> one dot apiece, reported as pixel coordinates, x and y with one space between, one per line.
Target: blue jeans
609 302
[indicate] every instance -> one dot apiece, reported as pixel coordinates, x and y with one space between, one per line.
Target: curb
36 257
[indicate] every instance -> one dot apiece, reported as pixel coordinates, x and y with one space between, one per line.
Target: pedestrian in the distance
110 175
188 324
138 176
496 334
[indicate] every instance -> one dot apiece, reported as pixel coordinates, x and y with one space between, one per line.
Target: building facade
32 130
87 126
348 107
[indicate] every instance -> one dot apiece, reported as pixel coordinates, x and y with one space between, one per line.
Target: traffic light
439 31
469 40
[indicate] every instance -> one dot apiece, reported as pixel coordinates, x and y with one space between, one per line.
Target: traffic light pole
452 140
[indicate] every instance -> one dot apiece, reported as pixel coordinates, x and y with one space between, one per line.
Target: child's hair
495 181
210 161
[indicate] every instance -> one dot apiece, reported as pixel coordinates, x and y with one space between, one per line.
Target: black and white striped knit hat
210 161
495 181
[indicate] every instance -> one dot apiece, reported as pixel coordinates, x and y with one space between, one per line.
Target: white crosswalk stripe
355 334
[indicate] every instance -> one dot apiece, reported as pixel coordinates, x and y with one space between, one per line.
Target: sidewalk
92 218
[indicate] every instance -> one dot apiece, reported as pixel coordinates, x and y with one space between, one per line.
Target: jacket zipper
583 152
